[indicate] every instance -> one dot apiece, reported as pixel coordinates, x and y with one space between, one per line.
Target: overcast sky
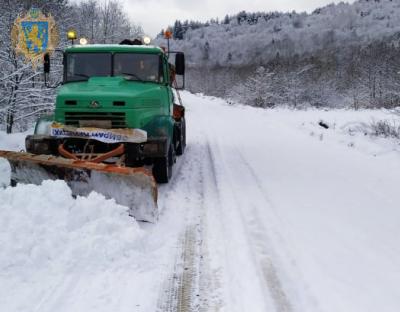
155 15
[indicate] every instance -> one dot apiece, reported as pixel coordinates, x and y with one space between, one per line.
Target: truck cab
117 89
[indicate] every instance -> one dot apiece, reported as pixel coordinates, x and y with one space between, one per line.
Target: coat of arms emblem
33 35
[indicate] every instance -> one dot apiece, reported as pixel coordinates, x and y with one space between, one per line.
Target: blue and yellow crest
33 35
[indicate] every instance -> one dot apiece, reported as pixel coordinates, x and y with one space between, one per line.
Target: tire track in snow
185 289
180 290
261 243
210 281
257 237
173 296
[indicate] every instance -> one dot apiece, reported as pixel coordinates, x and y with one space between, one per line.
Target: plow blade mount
131 187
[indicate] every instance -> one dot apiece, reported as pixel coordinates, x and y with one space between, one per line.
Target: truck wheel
182 138
162 167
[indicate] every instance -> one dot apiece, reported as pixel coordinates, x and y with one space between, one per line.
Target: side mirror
46 69
180 63
46 63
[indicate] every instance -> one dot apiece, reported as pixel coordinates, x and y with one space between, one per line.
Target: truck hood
115 92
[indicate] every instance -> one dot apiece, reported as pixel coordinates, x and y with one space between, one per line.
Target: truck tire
162 167
182 138
13 183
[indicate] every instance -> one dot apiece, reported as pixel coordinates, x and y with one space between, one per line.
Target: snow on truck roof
113 48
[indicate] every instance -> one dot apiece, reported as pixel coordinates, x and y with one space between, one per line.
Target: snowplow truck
116 129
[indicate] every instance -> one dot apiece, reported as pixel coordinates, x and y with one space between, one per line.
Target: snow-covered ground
13 142
267 211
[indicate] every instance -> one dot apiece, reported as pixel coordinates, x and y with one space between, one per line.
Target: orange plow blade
131 187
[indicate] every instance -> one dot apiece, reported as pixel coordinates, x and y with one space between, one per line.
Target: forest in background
340 55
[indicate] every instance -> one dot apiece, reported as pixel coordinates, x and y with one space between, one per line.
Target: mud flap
131 187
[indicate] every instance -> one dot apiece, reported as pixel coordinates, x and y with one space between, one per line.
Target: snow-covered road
267 211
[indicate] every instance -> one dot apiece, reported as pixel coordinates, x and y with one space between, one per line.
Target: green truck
117 127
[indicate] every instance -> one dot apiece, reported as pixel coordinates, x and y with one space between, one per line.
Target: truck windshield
132 66
143 67
82 66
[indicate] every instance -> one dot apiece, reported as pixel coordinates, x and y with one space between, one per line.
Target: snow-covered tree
23 95
257 90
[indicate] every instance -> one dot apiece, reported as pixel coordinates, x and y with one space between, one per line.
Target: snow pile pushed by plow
131 187
46 235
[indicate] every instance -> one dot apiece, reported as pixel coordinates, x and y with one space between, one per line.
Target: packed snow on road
268 210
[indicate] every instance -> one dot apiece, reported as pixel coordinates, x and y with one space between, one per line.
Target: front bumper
48 145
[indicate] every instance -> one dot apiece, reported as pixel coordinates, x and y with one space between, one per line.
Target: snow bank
348 127
43 225
44 232
64 254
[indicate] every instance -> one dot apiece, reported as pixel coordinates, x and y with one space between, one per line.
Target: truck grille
118 120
